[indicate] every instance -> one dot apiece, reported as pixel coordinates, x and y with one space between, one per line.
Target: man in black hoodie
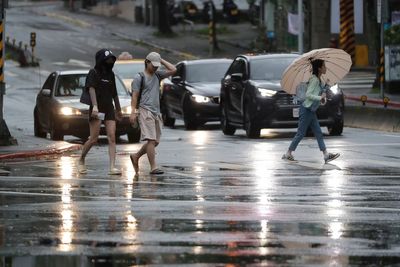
100 82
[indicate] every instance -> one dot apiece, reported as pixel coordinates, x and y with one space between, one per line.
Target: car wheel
167 121
134 135
252 130
188 117
227 129
38 131
336 129
55 134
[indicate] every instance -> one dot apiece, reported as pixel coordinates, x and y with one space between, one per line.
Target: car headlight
266 92
67 111
201 99
126 110
335 89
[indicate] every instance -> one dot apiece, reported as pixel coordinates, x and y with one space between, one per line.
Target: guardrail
19 52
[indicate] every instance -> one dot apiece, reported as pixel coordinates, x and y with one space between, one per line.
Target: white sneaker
331 156
288 157
114 171
81 168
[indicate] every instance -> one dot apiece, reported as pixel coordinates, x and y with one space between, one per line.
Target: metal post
5 136
380 8
301 26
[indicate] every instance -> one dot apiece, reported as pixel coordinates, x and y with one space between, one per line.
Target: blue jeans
307 118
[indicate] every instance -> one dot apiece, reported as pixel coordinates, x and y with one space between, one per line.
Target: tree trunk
163 17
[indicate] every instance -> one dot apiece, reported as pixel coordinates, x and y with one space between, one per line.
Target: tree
164 26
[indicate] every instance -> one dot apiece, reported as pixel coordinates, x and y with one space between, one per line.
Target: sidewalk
30 147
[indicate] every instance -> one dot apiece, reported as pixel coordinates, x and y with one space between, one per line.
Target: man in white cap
146 107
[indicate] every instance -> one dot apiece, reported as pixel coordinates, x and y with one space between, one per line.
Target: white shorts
150 125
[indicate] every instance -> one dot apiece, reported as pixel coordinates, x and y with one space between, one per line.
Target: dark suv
252 98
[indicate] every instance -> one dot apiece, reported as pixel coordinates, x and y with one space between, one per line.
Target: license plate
234 12
295 112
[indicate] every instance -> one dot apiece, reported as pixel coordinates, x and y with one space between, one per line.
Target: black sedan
252 98
59 112
192 94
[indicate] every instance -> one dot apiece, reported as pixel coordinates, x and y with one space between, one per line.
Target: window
238 66
49 83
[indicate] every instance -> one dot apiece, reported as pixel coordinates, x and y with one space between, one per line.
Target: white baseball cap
154 58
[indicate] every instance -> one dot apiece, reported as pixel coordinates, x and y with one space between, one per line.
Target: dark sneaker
288 157
331 156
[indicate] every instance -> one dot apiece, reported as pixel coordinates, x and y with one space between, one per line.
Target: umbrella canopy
337 63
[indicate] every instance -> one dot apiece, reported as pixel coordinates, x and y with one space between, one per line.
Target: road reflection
334 183
66 207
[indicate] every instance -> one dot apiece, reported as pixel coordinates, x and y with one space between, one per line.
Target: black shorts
109 114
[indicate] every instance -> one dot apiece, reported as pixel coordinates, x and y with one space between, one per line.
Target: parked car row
243 93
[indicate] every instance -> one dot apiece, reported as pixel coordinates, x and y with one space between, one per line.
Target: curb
39 153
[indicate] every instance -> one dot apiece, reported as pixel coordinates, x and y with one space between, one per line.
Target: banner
293 23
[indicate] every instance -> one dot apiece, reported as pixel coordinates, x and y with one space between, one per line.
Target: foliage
392 35
220 30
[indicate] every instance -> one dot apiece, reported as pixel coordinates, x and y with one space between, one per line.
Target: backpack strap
158 77
140 89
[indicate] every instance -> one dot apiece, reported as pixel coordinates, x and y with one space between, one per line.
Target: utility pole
5 136
382 48
301 26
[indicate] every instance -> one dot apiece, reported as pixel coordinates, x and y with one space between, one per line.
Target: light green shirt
313 92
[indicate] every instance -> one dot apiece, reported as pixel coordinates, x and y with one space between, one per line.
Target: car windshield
269 68
72 85
128 70
209 72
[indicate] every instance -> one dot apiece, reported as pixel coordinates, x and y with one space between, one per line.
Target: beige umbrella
337 63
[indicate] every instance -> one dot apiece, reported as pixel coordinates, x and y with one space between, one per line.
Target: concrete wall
372 118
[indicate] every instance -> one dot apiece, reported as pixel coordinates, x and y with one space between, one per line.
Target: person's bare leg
94 127
135 157
151 153
110 128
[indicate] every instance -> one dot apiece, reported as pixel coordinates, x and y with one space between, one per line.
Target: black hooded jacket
102 79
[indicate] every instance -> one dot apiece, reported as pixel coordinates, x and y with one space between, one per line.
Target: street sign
379 11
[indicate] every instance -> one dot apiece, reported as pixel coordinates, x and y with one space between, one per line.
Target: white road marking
79 50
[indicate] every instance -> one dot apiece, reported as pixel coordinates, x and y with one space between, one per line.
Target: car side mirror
176 79
46 92
236 77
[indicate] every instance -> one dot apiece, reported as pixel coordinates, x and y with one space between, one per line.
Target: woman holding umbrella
315 96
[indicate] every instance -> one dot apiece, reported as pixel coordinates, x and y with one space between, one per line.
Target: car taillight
167 87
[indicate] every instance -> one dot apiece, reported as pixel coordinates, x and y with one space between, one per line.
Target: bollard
386 101
364 99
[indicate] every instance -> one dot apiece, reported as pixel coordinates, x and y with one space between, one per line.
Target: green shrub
392 35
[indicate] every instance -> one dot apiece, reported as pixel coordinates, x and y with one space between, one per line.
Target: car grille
215 99
285 100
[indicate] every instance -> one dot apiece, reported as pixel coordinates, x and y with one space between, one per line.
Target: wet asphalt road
223 200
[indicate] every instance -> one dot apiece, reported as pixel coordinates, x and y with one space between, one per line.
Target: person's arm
171 70
135 88
116 102
313 90
135 111
92 93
